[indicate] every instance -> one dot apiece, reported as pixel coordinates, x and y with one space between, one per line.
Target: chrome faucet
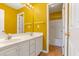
7 35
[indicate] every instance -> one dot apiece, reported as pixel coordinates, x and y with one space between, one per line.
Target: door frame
65 28
47 49
47 29
22 13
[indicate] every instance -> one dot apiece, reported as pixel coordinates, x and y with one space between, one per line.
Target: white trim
45 51
65 30
18 21
48 28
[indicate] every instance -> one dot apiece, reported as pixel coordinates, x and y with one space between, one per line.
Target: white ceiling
54 7
15 5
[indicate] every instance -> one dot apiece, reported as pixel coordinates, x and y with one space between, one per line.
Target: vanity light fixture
28 5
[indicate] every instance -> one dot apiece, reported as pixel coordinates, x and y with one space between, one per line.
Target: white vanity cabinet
31 47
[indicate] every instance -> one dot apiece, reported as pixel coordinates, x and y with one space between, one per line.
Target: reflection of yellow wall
55 15
10 19
27 19
39 13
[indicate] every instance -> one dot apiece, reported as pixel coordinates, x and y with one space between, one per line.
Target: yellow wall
39 15
55 15
10 19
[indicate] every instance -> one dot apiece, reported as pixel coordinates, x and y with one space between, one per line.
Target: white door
1 20
74 30
20 24
65 28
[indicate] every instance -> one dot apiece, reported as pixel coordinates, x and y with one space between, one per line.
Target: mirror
1 20
29 25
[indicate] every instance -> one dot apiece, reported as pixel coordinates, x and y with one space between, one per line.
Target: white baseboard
45 51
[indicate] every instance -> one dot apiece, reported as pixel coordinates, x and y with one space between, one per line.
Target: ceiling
54 7
15 5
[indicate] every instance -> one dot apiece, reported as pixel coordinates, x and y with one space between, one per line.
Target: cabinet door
32 47
24 48
11 51
38 45
24 51
2 53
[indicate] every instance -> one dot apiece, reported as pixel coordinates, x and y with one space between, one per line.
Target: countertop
18 38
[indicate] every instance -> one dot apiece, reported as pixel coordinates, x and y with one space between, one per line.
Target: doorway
70 31
20 22
55 28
